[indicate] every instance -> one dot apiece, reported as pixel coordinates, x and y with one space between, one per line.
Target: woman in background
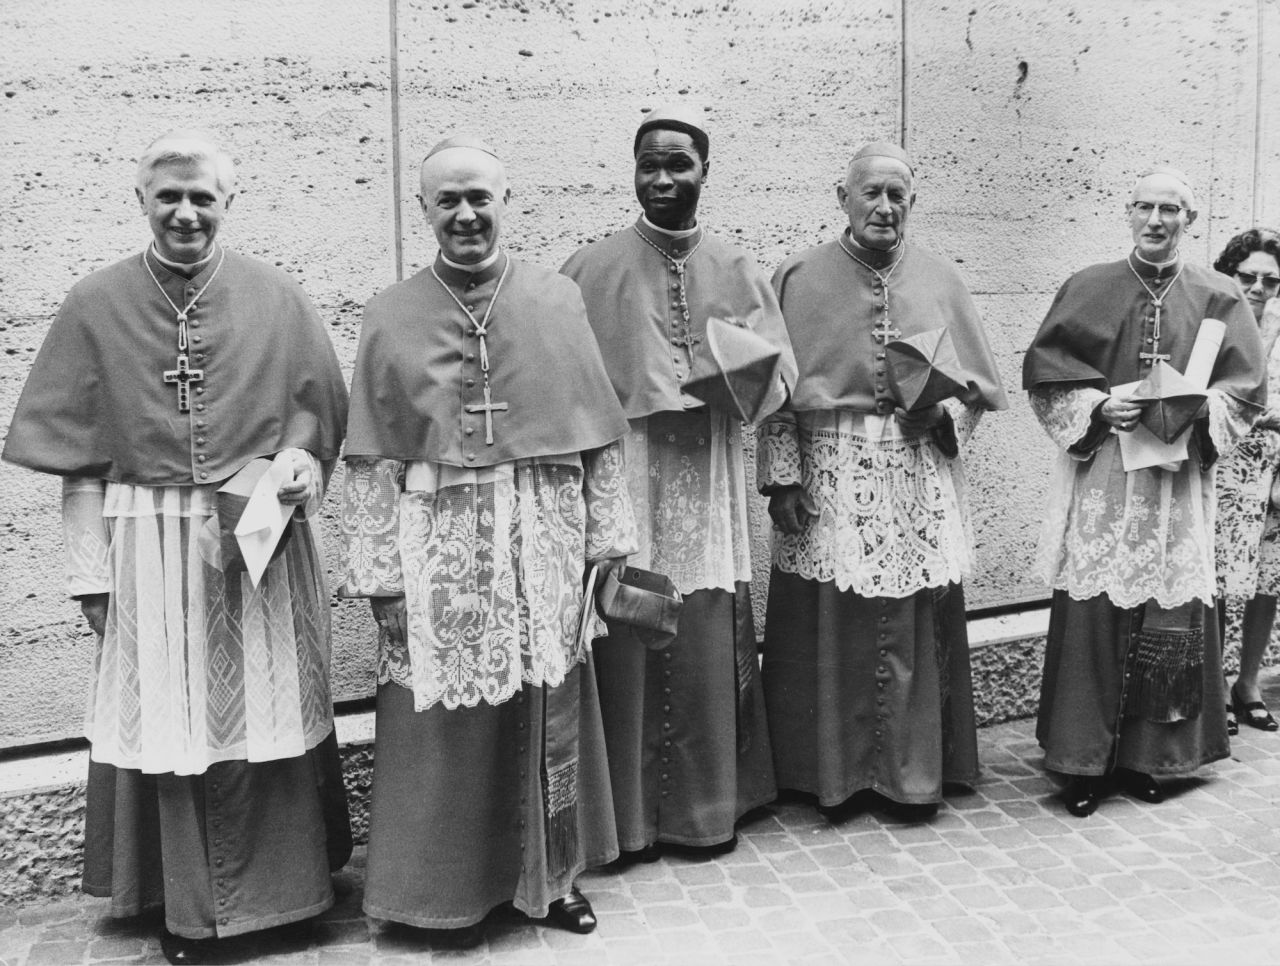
1248 524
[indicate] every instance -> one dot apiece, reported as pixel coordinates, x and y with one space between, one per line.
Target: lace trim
891 517
689 490
1066 414
370 521
492 571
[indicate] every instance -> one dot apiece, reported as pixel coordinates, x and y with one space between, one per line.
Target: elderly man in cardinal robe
866 657
483 475
1132 684
215 789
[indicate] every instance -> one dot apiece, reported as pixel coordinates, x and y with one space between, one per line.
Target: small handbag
645 601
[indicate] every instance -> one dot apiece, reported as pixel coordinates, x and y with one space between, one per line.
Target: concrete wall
1027 120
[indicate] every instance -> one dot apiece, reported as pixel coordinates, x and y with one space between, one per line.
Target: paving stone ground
1002 875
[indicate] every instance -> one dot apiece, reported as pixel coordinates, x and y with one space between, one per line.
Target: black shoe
181 951
468 937
1082 794
1139 785
573 913
909 811
1233 726
650 853
1254 713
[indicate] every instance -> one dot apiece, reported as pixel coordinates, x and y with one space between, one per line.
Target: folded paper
263 520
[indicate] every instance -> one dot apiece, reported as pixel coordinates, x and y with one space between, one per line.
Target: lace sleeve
85 535
370 518
1066 413
611 523
1229 420
778 453
964 419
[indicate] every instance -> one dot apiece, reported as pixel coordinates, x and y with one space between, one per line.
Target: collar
675 244
875 257
195 272
457 276
1152 271
472 269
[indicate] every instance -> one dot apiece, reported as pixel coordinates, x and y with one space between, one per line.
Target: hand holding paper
298 489
265 516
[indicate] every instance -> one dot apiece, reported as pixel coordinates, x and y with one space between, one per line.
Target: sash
1167 657
561 708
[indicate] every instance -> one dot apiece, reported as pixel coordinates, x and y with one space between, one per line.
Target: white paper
265 517
588 608
1205 352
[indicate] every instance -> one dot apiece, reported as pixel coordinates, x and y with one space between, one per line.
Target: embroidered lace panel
491 564
891 509
198 666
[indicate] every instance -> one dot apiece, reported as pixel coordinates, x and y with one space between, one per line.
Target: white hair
1168 172
185 147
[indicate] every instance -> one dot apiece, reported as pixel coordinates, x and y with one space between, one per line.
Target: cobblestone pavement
1002 875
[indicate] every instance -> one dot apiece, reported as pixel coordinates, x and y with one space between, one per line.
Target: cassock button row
222 921
199 424
884 619
200 458
471 357
470 383
884 652
195 323
471 456
200 440
469 430
199 390
666 742
879 355
204 476
195 338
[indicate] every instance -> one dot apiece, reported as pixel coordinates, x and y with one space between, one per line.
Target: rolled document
1205 352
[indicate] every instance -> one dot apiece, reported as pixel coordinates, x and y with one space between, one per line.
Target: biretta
675 117
883 149
462 141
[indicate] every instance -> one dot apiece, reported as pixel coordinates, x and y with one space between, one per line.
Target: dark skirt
245 846
1081 725
868 693
458 824
686 756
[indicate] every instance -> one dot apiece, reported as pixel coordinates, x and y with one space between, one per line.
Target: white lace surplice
891 509
1145 535
195 667
490 563
690 497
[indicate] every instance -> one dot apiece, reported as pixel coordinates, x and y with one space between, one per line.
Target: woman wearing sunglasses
1248 525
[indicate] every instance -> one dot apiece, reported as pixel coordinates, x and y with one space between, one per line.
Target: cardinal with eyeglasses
167 380
1132 688
483 475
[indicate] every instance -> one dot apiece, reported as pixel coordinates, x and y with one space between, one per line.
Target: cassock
866 656
481 473
213 763
688 742
1133 657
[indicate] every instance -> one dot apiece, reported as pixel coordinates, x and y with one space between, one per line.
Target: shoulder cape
1095 330
830 309
628 293
95 403
417 372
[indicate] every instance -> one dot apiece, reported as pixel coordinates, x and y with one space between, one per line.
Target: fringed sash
1167 682
560 771
745 661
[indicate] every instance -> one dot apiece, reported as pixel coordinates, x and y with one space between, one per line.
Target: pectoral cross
885 331
183 376
686 338
489 407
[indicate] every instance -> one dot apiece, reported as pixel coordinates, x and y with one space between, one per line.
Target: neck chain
481 332
685 338
183 375
886 330
1155 355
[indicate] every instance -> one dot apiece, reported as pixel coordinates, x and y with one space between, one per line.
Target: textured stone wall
1027 120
